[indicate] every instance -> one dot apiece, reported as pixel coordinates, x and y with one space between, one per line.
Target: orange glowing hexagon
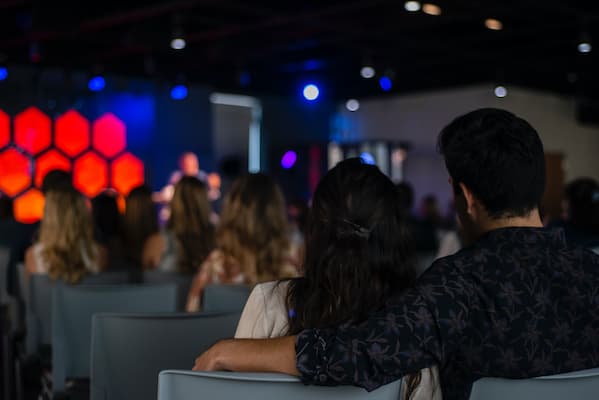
127 172
29 207
71 133
109 135
4 129
32 130
15 172
47 162
90 174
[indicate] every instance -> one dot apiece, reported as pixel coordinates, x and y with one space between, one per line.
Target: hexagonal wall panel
15 172
71 133
32 130
90 174
109 135
47 162
127 172
4 129
30 206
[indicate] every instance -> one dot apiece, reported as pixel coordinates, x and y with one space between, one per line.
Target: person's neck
532 220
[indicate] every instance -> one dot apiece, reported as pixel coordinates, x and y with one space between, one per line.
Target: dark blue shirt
518 303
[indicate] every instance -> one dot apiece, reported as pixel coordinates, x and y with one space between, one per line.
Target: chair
187 385
72 311
225 298
38 301
579 385
183 283
128 350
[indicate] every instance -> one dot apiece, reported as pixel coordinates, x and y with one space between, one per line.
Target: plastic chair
72 311
187 385
128 350
579 385
225 298
38 302
183 283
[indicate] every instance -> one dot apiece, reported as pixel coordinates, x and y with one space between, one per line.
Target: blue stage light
96 83
179 92
3 73
311 92
289 159
385 83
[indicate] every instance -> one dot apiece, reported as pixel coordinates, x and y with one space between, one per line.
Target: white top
265 316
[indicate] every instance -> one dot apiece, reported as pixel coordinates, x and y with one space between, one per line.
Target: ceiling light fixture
493 24
412 6
431 9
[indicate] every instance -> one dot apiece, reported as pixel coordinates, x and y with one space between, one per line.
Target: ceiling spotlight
431 9
367 72
585 47
311 92
96 83
493 24
500 91
412 6
385 83
178 43
352 105
179 92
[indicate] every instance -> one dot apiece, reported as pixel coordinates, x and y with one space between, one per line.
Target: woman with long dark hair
358 256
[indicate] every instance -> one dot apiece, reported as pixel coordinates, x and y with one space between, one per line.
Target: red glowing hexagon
127 172
47 162
90 174
32 130
15 172
71 133
110 135
29 207
4 129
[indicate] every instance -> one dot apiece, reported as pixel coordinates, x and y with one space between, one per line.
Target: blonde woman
66 249
189 235
252 239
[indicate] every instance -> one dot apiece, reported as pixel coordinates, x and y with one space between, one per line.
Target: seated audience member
189 235
57 179
581 213
65 249
107 224
518 302
252 239
140 221
423 232
357 257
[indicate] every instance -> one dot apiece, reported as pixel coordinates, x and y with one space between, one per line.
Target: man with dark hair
518 302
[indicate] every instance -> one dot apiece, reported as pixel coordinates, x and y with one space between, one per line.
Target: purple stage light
289 159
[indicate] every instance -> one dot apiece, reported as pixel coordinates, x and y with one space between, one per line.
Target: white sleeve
253 322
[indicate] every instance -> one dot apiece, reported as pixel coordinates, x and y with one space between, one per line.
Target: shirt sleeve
402 338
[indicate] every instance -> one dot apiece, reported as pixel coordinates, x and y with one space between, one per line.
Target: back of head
253 228
66 233
139 222
107 217
499 157
6 207
357 249
190 223
582 196
57 179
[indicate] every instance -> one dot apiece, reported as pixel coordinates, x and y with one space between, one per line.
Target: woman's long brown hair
253 230
190 224
66 233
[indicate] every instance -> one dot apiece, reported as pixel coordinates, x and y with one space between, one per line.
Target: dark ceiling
275 46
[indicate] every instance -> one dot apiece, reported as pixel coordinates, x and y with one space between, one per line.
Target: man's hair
499 157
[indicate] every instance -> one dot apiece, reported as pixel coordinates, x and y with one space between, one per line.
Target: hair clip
358 229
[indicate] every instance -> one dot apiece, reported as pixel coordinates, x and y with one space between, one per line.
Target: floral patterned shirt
518 303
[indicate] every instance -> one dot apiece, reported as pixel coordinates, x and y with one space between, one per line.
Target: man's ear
470 199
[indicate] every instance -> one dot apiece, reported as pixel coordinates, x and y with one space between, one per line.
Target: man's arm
250 355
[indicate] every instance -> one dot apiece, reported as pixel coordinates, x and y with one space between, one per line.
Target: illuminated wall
96 154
